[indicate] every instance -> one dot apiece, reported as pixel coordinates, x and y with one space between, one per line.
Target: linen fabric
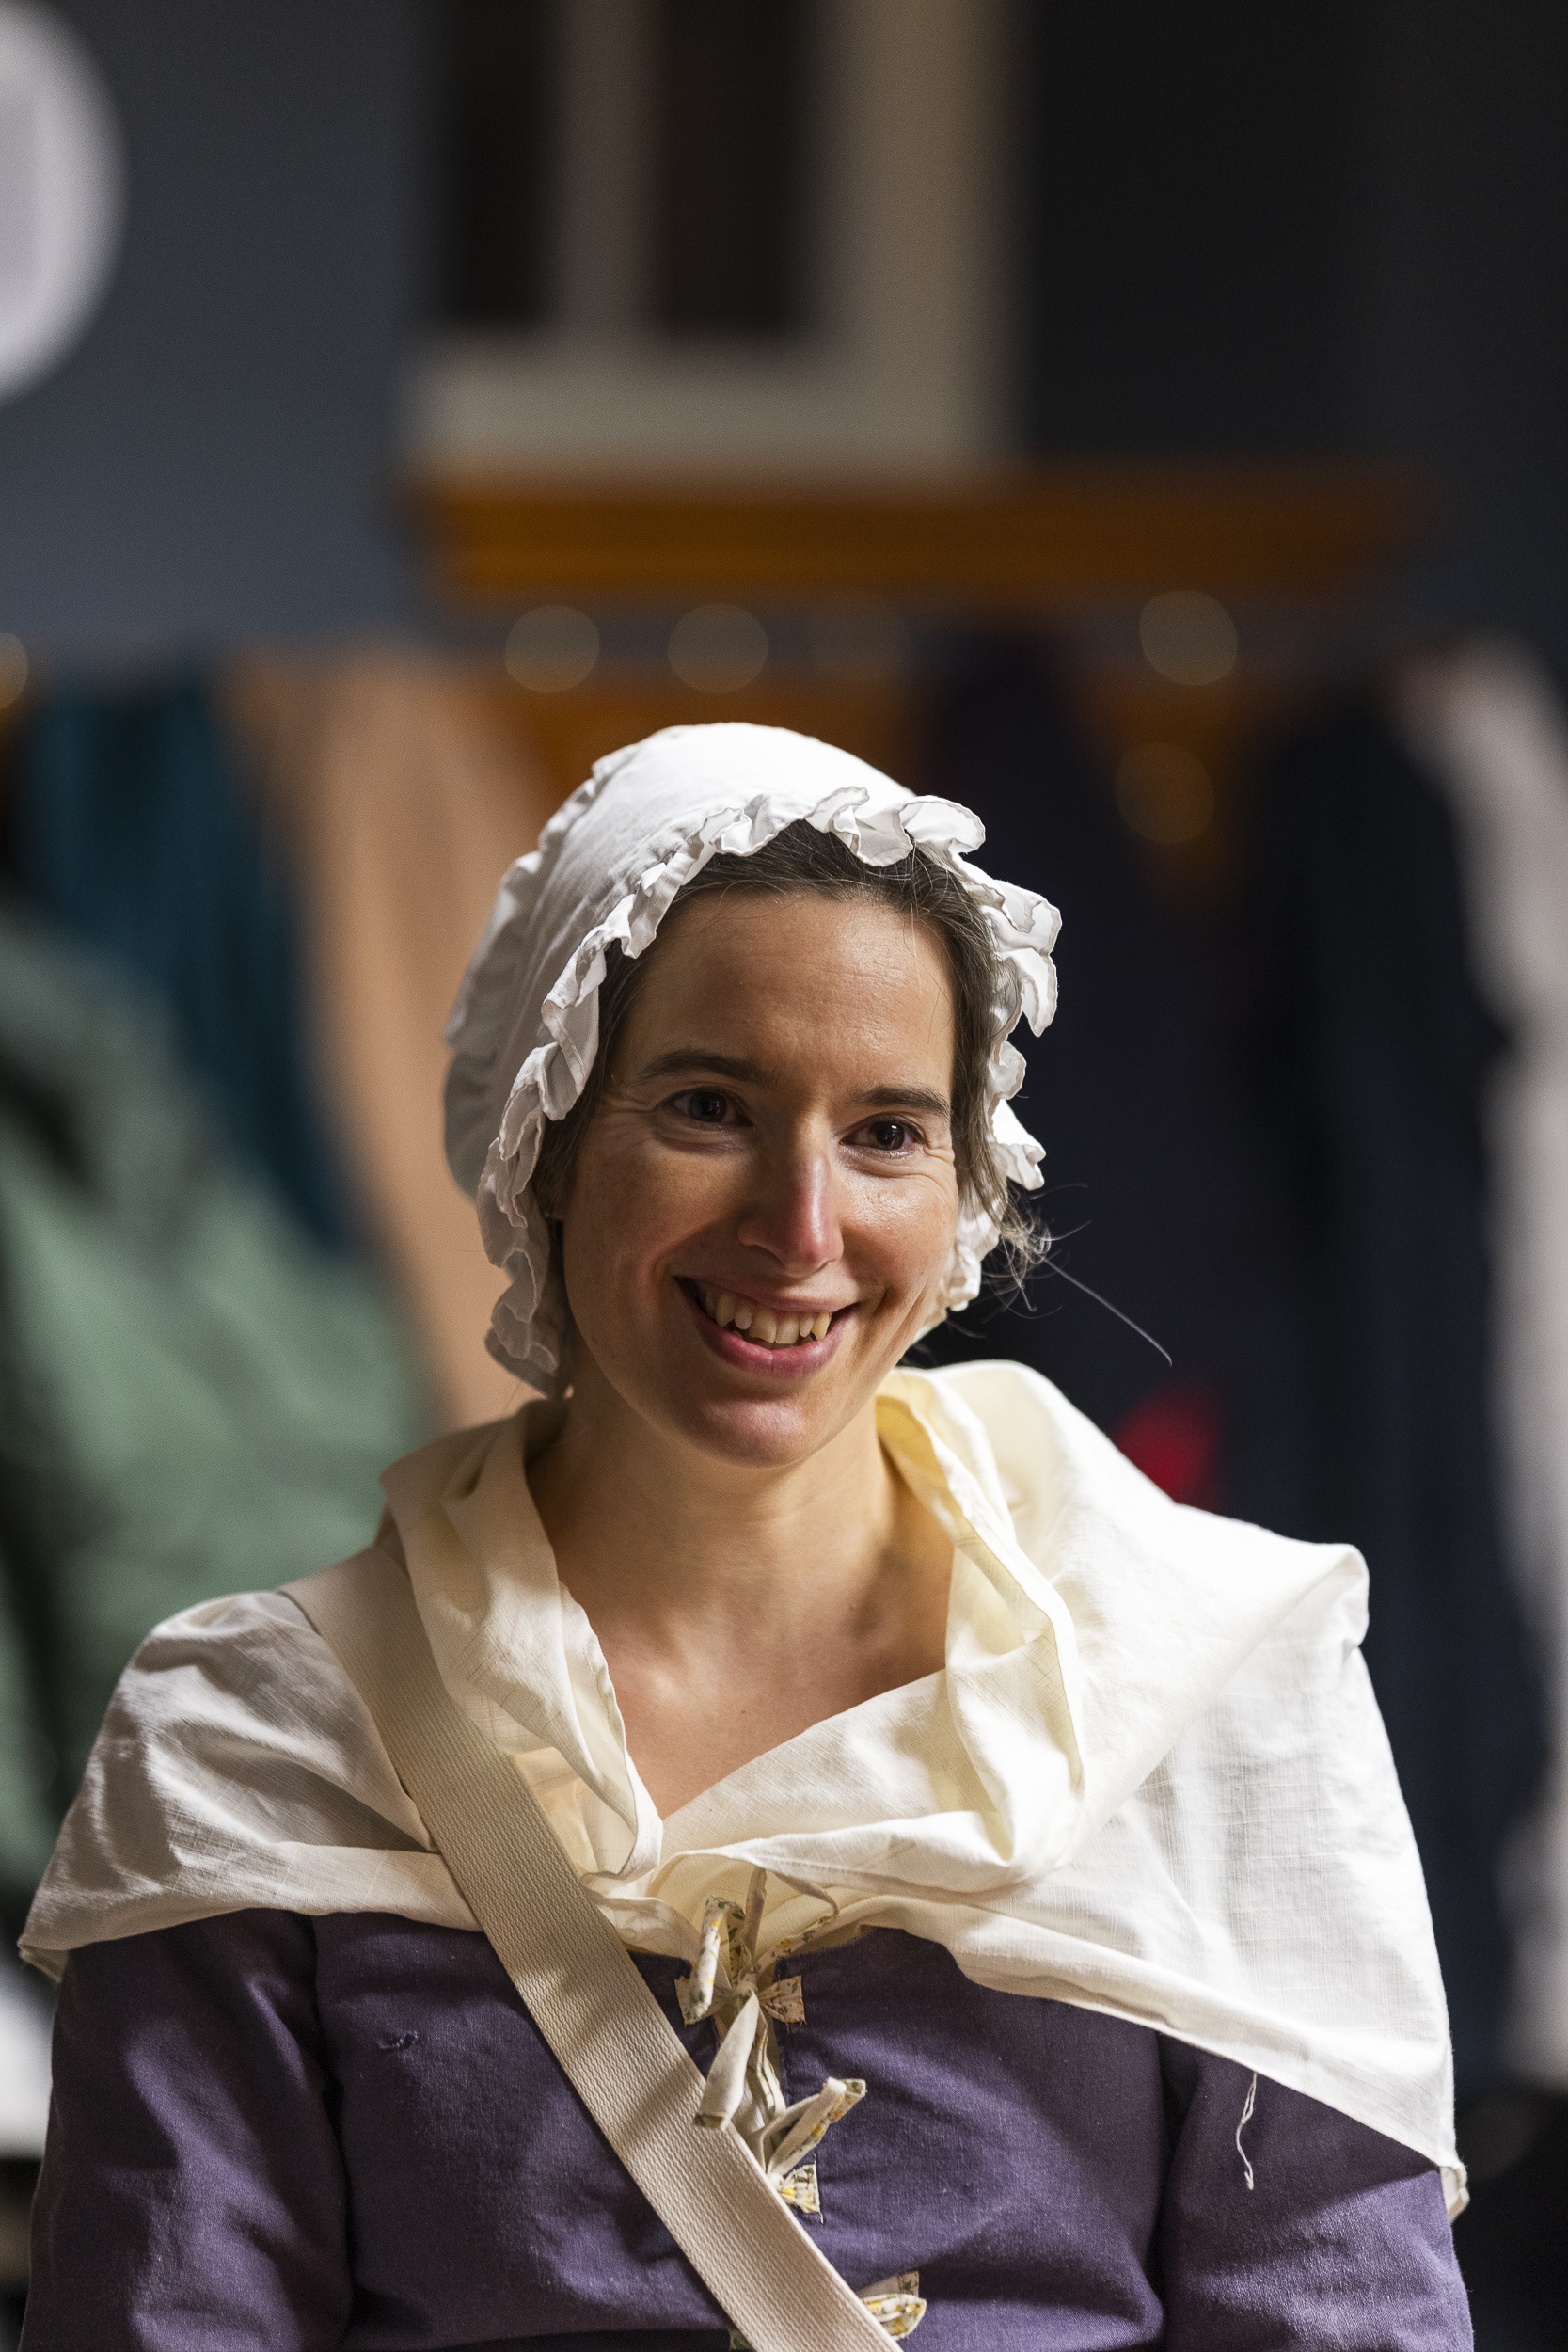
376 2150
1151 1781
608 867
1487 722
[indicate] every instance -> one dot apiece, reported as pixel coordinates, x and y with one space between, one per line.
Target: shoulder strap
580 1984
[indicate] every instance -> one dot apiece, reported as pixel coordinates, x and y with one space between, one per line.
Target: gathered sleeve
1287 2226
193 2195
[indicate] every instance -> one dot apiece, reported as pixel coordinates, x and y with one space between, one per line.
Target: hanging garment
24 2028
29 1823
205 1386
129 828
403 805
1372 1054
1488 724
1153 1184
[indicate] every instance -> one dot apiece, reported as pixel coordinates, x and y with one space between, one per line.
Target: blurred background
1148 423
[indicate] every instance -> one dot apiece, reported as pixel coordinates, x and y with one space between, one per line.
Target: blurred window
492 161
615 165
731 109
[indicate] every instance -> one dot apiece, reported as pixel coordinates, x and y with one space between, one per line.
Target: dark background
1341 229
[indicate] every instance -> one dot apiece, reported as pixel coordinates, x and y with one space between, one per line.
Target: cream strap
578 1983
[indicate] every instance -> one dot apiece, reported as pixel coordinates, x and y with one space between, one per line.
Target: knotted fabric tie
745 1999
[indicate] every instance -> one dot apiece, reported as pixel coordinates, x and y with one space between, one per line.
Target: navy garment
275 2133
1153 1180
1371 1052
129 828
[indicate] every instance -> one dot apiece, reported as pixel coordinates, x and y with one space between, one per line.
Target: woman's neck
737 1605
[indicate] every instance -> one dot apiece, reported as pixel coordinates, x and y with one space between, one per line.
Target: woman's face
764 1203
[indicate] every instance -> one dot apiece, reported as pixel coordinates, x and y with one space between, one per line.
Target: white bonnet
525 1028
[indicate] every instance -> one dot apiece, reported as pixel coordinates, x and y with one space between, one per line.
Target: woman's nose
793 1212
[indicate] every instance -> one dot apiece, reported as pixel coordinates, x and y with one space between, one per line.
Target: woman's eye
703 1105
888 1134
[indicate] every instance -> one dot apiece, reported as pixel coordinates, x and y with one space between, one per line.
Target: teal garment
129 828
194 1397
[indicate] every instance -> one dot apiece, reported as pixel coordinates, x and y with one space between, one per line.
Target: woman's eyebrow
683 1059
905 1099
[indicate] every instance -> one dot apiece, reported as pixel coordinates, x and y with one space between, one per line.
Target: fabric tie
745 1998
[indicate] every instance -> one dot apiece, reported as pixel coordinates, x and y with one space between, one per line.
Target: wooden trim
1029 538
567 733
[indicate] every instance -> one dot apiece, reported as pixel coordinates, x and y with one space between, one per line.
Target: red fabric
1174 1437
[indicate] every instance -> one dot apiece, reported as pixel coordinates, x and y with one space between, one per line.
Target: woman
1069 1808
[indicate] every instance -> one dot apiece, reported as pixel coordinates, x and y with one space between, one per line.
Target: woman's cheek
673 1196
650 1205
911 1225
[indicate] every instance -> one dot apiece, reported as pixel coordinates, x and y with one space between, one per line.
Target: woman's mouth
762 1326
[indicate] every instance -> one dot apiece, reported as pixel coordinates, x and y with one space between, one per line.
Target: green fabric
209 1396
27 1819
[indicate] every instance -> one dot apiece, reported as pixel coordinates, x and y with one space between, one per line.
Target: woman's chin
753 1419
764 1438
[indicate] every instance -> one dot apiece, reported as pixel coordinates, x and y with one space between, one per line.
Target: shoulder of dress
1014 1422
990 1385
1047 1452
248 1667
237 1768
254 1621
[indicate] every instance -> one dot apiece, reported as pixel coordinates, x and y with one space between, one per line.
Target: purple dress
278 2133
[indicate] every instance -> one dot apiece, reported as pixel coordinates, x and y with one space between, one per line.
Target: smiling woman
1014 1881
753 1228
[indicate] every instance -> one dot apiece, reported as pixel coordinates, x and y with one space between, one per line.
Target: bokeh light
1188 637
1165 794
552 648
718 648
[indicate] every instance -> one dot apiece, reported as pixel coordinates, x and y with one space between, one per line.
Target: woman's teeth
760 1323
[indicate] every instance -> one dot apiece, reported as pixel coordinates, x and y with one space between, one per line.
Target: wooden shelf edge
1019 539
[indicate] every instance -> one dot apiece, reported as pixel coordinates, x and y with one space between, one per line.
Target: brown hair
984 1005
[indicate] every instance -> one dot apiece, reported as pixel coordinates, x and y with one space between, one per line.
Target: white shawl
1151 1779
